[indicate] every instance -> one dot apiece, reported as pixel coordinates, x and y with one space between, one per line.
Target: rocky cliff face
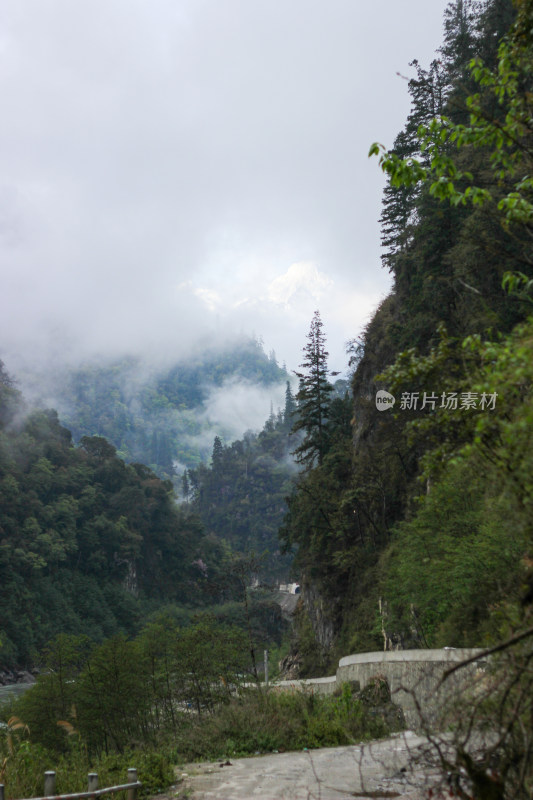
376 352
320 615
131 581
314 630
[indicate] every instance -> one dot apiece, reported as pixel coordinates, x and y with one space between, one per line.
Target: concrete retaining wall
321 685
413 677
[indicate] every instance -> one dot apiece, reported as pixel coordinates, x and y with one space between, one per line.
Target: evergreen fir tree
313 398
290 407
459 47
400 203
217 455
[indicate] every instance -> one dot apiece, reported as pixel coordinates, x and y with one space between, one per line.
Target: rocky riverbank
9 677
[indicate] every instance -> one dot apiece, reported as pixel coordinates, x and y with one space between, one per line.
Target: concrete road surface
375 770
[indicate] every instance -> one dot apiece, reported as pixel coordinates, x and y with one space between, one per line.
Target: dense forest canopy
81 534
91 545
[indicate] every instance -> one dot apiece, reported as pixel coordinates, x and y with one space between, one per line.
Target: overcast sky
170 169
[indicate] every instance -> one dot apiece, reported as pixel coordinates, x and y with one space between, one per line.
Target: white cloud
211 300
303 276
217 147
238 406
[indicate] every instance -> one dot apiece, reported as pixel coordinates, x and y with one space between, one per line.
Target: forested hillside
241 495
412 527
156 415
82 535
90 545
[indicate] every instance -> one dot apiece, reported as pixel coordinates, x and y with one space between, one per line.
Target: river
12 691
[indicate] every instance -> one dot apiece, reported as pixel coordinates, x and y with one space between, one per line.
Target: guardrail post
92 781
49 784
132 778
1 791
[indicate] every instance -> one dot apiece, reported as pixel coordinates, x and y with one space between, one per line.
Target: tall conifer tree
217 455
290 407
313 397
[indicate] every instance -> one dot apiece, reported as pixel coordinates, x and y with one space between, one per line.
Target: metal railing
92 788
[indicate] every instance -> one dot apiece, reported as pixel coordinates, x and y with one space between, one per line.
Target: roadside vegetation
169 696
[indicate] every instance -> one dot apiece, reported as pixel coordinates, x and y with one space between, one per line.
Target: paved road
376 770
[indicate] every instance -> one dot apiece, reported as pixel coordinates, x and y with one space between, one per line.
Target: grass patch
259 721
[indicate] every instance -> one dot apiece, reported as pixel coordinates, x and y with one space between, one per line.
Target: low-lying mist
162 413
